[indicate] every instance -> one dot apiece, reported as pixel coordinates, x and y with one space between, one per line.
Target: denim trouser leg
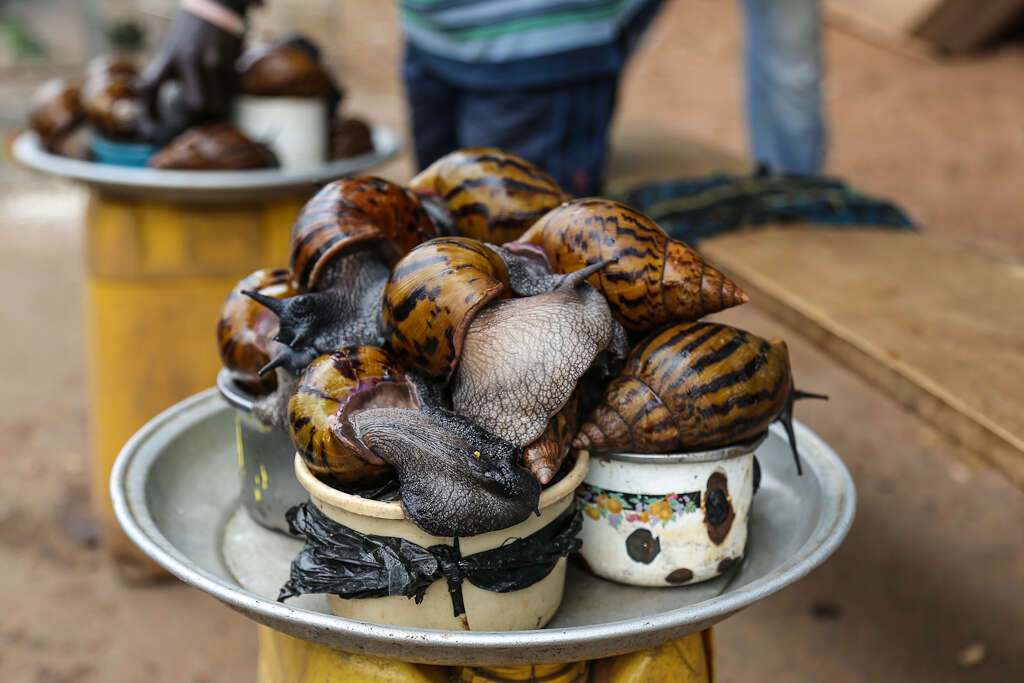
433 107
784 73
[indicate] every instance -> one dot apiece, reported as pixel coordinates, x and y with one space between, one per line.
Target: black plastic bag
344 562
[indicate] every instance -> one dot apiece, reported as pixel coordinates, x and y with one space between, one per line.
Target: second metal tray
175 491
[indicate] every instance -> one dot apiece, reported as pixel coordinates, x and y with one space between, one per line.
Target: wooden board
893 19
938 327
925 25
961 25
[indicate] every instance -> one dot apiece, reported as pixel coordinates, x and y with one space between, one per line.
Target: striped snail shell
245 329
283 70
355 214
691 386
654 280
213 147
350 137
544 456
489 194
343 244
54 112
112 105
332 388
430 298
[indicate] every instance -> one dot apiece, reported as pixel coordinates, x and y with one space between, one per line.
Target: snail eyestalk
573 279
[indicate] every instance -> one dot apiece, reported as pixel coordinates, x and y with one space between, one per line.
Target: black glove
201 56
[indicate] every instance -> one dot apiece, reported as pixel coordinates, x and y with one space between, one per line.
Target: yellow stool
284 659
157 274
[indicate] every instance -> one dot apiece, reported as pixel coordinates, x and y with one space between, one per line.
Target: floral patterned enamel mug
667 519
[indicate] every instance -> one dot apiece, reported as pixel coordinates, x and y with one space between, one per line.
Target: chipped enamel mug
265 469
667 519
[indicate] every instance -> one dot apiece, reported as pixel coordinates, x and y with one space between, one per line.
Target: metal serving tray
201 186
175 491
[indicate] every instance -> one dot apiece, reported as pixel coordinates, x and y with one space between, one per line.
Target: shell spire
655 279
688 297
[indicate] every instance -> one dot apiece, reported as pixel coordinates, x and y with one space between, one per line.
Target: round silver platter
175 491
201 186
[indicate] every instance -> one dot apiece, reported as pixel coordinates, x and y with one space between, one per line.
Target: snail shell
491 195
689 387
245 329
112 105
351 214
430 298
283 70
332 388
349 138
54 112
654 280
213 147
544 456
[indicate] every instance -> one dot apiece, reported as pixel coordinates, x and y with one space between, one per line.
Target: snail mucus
463 369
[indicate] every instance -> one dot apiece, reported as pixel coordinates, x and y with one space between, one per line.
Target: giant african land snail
654 280
246 329
55 111
213 147
343 245
487 194
694 386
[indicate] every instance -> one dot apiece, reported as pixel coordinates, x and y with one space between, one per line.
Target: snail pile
107 104
461 336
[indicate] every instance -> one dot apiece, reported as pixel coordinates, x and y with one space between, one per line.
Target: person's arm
200 52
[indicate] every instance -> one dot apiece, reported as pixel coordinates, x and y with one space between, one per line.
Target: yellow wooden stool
157 274
284 659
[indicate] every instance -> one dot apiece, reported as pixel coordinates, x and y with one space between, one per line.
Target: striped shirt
523 43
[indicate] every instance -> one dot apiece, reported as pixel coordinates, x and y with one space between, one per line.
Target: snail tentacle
315 323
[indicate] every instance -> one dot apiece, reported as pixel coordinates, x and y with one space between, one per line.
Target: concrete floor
929 585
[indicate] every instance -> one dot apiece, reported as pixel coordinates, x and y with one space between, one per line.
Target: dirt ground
929 585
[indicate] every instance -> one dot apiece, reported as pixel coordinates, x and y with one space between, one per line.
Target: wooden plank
890 18
961 25
938 327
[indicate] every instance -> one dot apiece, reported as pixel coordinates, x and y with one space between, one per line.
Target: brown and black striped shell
432 295
55 111
213 147
282 70
491 195
545 454
333 386
655 279
692 386
245 329
350 137
350 214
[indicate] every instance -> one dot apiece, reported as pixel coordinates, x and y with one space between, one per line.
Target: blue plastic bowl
120 153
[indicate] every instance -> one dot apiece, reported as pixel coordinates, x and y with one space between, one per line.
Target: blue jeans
784 72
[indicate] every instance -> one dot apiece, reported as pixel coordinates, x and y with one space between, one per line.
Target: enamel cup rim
711 455
393 510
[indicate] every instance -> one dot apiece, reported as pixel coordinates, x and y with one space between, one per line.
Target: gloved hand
201 56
